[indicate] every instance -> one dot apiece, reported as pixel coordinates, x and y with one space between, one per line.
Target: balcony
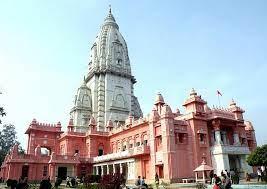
229 149
139 150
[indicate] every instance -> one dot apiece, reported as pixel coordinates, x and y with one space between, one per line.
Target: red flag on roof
219 93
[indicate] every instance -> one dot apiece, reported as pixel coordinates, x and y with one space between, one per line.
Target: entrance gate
62 173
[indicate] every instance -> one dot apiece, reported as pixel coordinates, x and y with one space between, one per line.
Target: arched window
100 150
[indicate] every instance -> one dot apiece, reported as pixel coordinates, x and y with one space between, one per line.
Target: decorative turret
82 108
159 102
166 112
194 103
129 120
92 124
154 116
109 125
248 126
70 125
238 112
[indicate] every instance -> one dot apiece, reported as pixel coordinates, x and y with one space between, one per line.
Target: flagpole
219 100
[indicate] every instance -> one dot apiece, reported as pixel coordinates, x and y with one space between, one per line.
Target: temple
107 132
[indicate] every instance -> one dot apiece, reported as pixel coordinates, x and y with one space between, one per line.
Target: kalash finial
109 9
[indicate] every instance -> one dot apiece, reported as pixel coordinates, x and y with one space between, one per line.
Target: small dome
166 111
232 103
92 121
249 126
193 92
178 111
71 122
154 115
159 99
109 124
206 108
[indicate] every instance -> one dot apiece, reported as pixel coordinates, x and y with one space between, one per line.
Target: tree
7 140
2 113
258 157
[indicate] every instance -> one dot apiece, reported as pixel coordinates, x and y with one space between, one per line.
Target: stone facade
107 134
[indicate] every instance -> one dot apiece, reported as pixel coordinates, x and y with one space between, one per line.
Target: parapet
44 126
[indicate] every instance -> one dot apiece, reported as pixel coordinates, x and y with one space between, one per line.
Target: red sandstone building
108 134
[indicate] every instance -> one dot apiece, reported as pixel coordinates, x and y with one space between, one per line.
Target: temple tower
109 79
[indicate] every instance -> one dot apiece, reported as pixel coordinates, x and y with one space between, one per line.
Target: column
129 170
236 138
216 126
102 170
114 168
107 169
121 168
97 171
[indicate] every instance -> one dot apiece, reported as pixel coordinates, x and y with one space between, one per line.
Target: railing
229 149
139 150
224 113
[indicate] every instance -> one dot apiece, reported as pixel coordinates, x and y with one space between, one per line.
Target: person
138 181
211 175
222 173
263 170
157 180
259 173
45 184
68 181
58 182
143 183
247 177
217 182
227 182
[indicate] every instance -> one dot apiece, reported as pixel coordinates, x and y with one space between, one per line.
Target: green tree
2 113
258 157
7 140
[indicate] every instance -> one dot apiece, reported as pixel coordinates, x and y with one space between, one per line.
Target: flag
219 93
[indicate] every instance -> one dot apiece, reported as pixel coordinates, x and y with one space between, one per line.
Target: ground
243 185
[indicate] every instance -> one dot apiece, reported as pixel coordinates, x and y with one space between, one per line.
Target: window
100 152
130 145
202 138
45 171
124 148
181 138
137 144
145 142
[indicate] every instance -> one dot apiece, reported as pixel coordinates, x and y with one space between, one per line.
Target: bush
264 178
111 181
11 183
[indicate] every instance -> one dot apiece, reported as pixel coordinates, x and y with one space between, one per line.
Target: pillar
114 168
102 170
216 126
97 171
52 171
107 169
121 168
204 179
236 138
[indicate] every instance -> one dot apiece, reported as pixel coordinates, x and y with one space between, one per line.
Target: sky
173 46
